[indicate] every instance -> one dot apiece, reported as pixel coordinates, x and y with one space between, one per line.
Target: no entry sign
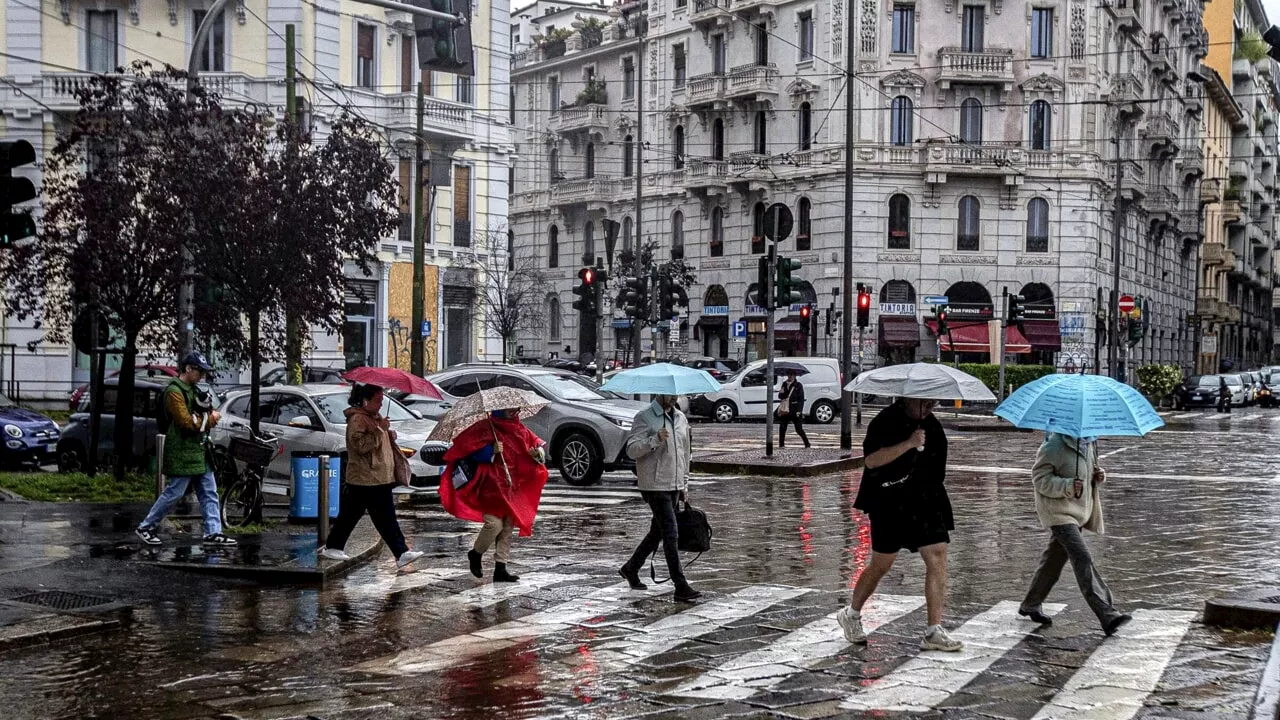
1127 304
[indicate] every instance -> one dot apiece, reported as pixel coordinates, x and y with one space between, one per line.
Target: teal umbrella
1080 406
662 379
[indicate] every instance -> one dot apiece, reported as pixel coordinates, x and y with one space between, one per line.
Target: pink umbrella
394 378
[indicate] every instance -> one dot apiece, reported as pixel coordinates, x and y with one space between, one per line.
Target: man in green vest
184 455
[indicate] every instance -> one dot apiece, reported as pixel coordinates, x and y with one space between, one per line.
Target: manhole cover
61 600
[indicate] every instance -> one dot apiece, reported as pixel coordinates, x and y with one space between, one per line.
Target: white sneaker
851 623
404 560
332 554
941 641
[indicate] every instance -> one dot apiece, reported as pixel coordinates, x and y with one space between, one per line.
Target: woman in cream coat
1068 484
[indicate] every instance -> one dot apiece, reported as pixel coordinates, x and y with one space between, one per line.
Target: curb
737 467
1251 610
1266 705
51 629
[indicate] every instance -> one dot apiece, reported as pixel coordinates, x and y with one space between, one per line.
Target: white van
743 394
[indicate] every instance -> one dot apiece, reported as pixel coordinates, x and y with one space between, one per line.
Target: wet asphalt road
1190 514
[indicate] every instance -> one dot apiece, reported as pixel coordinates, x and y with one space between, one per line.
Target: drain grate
62 600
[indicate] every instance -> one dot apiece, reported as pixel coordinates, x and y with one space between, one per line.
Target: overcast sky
1273 10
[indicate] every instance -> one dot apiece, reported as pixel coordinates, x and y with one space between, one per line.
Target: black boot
475 558
632 577
500 573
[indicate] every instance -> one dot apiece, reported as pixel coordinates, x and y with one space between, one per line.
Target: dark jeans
795 419
380 504
1066 544
663 530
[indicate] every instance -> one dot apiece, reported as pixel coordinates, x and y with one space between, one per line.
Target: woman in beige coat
1068 483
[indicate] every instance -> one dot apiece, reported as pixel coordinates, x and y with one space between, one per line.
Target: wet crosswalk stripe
925 681
1116 679
764 669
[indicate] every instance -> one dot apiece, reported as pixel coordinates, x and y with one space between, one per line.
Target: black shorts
891 533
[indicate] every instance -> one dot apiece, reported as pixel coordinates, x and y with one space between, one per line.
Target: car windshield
333 405
1234 380
738 373
571 387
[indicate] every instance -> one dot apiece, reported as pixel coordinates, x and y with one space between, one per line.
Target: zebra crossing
1112 684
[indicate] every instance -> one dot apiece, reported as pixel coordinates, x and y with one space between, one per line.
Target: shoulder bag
694 536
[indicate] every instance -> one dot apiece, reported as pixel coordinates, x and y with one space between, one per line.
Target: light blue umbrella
662 379
1080 406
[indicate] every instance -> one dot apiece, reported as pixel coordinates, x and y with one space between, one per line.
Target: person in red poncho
495 474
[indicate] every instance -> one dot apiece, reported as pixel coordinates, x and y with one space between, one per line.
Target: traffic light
1014 310
634 297
444 45
805 312
15 226
586 292
1136 321
864 305
786 287
941 313
670 297
764 283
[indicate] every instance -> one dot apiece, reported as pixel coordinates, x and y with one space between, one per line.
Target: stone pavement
1190 511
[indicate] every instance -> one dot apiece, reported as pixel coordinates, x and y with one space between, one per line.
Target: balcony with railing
765 6
990 66
705 13
749 165
701 174
1193 97
583 190
704 92
1213 309
592 119
1193 162
1162 205
1160 129
1214 254
1128 92
753 83
1125 12
1134 176
968 159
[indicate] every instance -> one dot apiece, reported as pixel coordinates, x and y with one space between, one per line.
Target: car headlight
13 431
624 423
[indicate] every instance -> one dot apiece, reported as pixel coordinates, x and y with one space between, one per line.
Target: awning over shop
1042 334
713 321
899 331
975 338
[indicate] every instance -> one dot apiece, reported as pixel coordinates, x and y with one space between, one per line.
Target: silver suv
585 428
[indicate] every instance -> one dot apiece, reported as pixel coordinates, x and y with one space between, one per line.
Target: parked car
73 446
309 418
718 368
584 427
29 437
1196 391
744 394
154 372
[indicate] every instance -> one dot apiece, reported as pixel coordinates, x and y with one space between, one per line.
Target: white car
744 394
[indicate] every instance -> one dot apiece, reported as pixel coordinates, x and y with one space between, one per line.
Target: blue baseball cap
196 360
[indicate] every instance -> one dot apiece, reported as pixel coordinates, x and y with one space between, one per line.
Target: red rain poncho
488 493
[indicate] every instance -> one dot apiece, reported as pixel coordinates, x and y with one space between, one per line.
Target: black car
1196 391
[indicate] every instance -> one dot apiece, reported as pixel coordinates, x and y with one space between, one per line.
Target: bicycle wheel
242 502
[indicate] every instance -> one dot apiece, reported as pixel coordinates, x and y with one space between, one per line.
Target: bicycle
241 490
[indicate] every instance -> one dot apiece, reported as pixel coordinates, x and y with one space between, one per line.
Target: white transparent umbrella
927 381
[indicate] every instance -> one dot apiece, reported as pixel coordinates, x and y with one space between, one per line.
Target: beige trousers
495 528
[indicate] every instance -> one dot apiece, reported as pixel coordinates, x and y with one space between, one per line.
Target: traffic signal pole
768 335
846 332
1004 329
417 343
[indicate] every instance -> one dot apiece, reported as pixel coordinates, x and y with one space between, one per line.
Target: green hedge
1015 376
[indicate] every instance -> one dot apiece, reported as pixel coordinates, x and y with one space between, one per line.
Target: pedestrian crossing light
586 292
941 312
786 288
1015 310
15 226
864 305
444 45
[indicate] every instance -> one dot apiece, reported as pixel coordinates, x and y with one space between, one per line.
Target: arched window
553 163
971 121
760 132
590 161
679 141
806 126
757 228
804 225
677 235
553 318
899 222
900 121
626 233
1038 225
717 232
717 139
553 247
1041 125
588 243
968 224
628 156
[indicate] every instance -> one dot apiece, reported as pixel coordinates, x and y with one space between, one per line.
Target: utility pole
1117 228
417 352
639 174
293 330
846 332
770 299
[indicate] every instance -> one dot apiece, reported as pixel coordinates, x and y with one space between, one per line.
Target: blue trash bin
305 499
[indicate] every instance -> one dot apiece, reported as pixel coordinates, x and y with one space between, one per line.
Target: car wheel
71 458
581 462
823 412
725 412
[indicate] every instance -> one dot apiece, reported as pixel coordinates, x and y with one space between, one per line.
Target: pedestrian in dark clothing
1224 396
902 492
791 399
369 477
1068 500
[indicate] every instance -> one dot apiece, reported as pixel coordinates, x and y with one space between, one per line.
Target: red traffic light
587 275
804 312
942 316
864 301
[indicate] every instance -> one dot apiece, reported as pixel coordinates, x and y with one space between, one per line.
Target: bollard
159 465
322 502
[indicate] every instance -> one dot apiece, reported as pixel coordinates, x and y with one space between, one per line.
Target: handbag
694 535
403 475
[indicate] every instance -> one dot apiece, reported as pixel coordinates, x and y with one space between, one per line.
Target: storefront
712 328
1040 324
898 329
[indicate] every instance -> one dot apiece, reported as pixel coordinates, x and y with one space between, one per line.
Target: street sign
1127 304
777 216
936 299
738 341
1209 345
897 308
426 328
674 334
739 329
